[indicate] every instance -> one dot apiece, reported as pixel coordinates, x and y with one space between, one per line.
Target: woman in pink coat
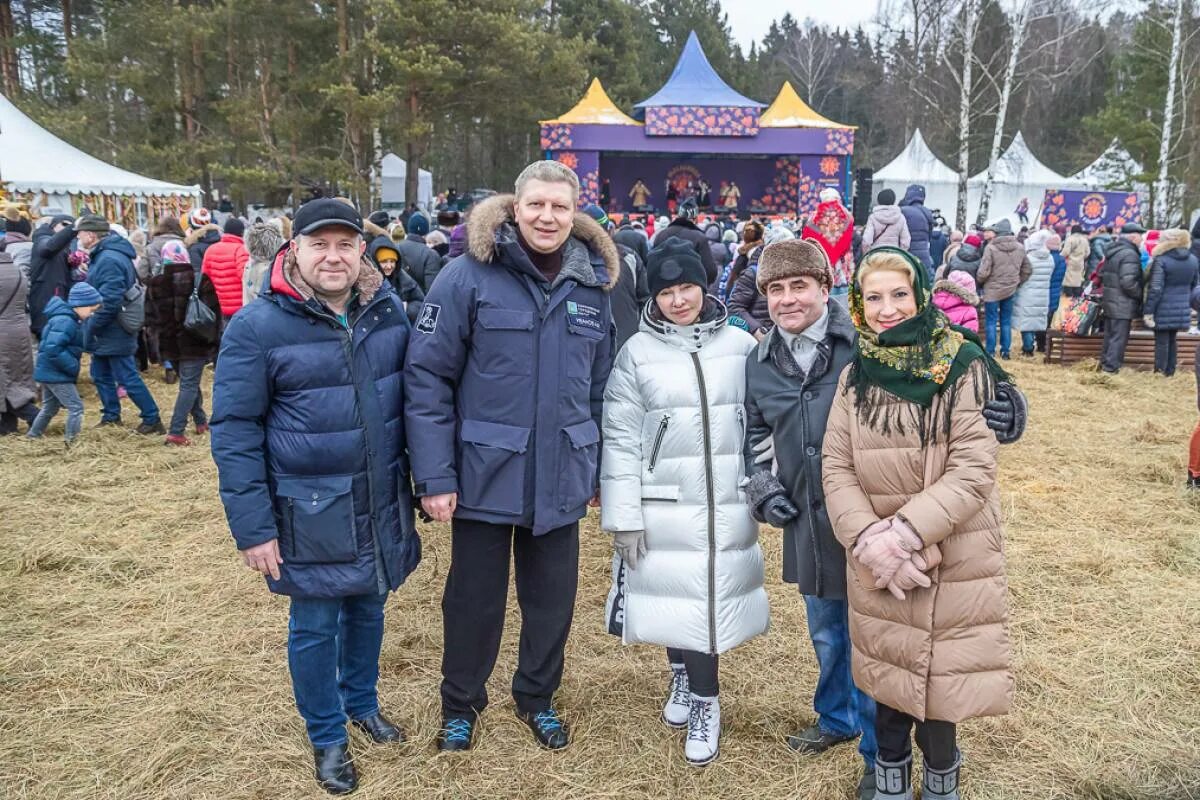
955 296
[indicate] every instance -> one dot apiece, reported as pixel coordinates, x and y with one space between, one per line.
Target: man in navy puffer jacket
308 436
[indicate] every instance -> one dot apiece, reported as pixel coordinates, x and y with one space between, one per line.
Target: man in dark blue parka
505 383
308 436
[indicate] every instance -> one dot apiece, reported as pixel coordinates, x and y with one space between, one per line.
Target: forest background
268 99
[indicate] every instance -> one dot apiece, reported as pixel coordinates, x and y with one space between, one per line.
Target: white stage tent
46 172
1019 174
917 164
1114 169
395 172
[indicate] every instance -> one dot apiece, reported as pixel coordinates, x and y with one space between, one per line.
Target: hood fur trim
487 217
371 230
1172 239
263 241
286 279
196 234
952 288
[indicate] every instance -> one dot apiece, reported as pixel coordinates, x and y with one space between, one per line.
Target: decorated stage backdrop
770 184
1090 209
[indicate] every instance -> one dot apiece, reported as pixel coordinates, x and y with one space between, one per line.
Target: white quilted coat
700 585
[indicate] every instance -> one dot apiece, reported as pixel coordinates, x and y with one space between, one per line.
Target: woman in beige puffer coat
909 462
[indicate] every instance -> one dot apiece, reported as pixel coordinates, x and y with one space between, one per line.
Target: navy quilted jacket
1173 274
308 436
61 344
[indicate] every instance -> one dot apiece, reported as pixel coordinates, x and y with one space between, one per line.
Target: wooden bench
1139 354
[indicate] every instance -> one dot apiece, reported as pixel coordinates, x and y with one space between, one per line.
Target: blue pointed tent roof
695 83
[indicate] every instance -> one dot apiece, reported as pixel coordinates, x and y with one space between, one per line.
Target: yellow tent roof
789 111
596 108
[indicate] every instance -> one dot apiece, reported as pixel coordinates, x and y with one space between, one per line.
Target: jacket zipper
712 510
662 430
348 349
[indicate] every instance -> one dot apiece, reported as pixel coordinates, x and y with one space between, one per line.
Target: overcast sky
750 19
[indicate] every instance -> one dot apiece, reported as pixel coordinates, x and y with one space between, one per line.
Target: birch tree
970 14
1019 34
1162 186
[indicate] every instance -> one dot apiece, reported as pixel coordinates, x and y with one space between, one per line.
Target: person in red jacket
223 264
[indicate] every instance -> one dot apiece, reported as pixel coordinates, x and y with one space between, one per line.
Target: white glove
764 453
630 546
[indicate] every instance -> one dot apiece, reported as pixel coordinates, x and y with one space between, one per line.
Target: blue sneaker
457 734
547 728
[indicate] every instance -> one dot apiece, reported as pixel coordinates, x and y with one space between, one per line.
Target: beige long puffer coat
943 652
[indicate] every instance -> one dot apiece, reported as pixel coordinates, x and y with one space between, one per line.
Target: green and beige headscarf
917 360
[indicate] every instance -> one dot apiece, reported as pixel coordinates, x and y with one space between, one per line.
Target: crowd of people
692 378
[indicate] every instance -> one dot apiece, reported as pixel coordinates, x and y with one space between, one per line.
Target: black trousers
1166 351
1116 337
547 574
937 739
701 668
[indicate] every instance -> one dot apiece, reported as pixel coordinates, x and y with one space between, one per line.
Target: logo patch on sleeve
427 322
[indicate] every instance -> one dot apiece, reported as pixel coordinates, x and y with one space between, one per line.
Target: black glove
777 510
1007 413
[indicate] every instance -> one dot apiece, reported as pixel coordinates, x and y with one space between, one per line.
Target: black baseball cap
323 213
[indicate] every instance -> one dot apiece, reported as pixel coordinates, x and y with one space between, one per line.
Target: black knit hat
886 198
673 262
234 227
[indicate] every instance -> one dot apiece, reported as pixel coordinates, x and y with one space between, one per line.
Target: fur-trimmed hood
493 219
961 292
263 241
1172 239
196 234
286 280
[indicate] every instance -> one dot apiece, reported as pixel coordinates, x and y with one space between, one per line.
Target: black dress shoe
547 728
456 734
335 771
380 729
813 740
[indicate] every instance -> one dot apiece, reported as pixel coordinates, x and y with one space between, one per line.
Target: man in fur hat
504 391
791 379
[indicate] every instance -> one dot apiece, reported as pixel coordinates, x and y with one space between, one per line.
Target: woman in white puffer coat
688 572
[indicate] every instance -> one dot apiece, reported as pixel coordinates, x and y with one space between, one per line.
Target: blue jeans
190 399
842 708
1028 341
1003 309
107 372
333 655
54 397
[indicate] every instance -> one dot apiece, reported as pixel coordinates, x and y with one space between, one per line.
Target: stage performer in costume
732 195
832 227
640 194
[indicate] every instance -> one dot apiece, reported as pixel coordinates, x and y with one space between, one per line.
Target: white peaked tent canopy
1019 175
34 160
1018 166
394 170
918 164
1114 168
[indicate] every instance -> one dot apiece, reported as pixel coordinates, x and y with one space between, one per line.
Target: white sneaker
679 699
704 731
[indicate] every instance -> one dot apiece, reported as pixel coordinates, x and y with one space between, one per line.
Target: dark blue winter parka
505 376
111 273
61 344
308 436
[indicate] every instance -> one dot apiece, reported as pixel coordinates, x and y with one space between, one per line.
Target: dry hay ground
141 660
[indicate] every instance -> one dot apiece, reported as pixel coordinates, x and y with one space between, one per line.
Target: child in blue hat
59 351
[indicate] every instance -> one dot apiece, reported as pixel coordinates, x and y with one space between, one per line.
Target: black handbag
199 320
